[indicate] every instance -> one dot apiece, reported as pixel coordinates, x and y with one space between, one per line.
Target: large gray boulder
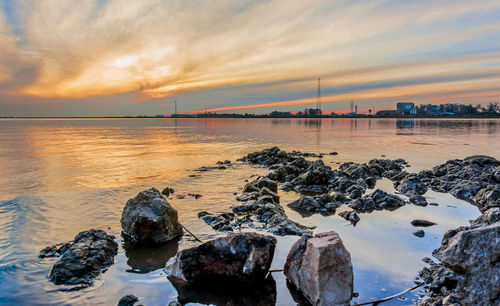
85 258
240 257
149 219
320 267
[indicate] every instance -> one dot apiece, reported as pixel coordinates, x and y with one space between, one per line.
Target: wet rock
240 257
55 250
419 233
250 187
418 200
350 216
167 191
496 175
148 218
90 253
245 197
469 264
267 192
422 223
267 183
333 153
195 195
371 182
488 197
365 204
411 185
383 200
128 300
320 267
323 203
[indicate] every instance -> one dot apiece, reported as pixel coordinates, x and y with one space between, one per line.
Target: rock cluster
320 267
469 267
260 210
83 259
239 257
324 203
148 218
474 179
377 200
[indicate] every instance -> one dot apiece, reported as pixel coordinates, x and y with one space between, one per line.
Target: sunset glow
117 57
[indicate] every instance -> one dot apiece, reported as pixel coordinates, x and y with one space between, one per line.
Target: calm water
60 177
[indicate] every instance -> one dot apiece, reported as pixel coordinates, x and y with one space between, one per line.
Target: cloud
68 50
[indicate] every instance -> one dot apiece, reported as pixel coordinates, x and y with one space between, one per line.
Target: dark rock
267 192
333 153
371 182
148 218
167 191
411 185
55 250
250 187
422 223
128 300
266 182
90 253
239 257
323 203
419 233
350 216
195 195
320 267
418 200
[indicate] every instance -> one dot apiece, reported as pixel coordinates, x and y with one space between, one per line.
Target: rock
371 182
128 300
488 197
148 218
481 160
167 191
333 153
55 250
411 185
239 257
322 203
88 255
266 182
422 223
250 187
496 175
419 233
473 253
195 195
267 192
418 200
383 200
320 267
350 216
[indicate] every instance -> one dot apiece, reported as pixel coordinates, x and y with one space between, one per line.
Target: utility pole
318 99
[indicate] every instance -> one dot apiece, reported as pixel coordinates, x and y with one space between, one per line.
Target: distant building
388 113
406 108
353 113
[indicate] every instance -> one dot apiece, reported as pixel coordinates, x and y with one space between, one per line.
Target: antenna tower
175 104
318 99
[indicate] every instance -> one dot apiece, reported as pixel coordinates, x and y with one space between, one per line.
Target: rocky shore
466 270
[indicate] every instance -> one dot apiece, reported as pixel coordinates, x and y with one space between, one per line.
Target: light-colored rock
148 218
474 253
320 266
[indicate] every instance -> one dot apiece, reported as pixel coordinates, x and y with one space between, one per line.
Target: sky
124 57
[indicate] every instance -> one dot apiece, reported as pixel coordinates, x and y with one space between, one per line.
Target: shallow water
62 176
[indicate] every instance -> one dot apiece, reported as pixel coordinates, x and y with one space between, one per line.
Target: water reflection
144 259
228 294
64 176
